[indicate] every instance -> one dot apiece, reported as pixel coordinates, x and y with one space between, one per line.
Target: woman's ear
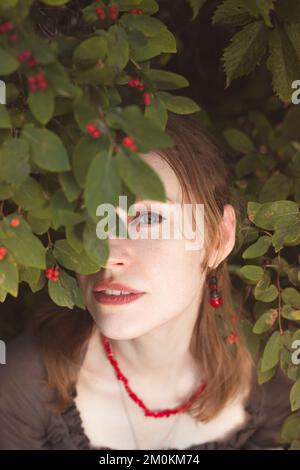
228 231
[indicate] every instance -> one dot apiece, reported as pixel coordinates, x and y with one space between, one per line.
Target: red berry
113 12
136 11
232 338
43 85
147 99
48 273
6 27
55 275
100 13
90 127
32 62
13 38
3 252
129 143
15 222
24 56
96 134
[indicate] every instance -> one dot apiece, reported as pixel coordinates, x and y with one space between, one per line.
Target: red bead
216 302
213 286
136 399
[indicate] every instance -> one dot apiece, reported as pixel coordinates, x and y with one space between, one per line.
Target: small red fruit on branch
93 130
3 252
52 274
129 143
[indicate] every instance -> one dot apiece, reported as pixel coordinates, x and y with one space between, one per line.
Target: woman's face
166 271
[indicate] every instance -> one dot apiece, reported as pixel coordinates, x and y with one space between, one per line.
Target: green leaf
157 111
264 376
47 150
140 178
196 6
232 12
70 259
290 314
8 64
259 248
103 184
14 155
265 322
179 104
269 213
245 51
74 235
165 80
95 248
291 296
84 153
271 352
34 277
9 276
65 291
252 273
41 104
5 122
295 395
239 141
30 195
267 294
278 186
90 51
147 134
25 247
283 63
69 186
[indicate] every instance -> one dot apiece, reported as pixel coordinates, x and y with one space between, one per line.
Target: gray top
27 423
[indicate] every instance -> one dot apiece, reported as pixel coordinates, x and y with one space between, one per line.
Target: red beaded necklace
156 414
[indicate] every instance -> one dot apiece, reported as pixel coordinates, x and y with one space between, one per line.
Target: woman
107 377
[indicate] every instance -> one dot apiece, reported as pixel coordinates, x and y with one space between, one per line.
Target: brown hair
63 335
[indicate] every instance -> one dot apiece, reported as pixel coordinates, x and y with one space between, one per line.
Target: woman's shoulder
23 384
23 362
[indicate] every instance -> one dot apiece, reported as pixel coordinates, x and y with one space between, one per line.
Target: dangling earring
215 296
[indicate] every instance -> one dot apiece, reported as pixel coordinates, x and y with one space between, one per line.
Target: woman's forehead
166 174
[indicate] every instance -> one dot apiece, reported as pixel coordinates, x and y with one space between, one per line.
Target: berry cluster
136 11
215 297
38 82
52 274
3 252
136 83
113 13
7 27
93 130
129 143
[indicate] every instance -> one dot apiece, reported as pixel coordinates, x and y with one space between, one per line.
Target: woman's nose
119 254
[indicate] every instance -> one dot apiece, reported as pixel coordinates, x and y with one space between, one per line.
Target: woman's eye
149 218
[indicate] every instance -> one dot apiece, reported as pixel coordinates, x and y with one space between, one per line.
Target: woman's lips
108 299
